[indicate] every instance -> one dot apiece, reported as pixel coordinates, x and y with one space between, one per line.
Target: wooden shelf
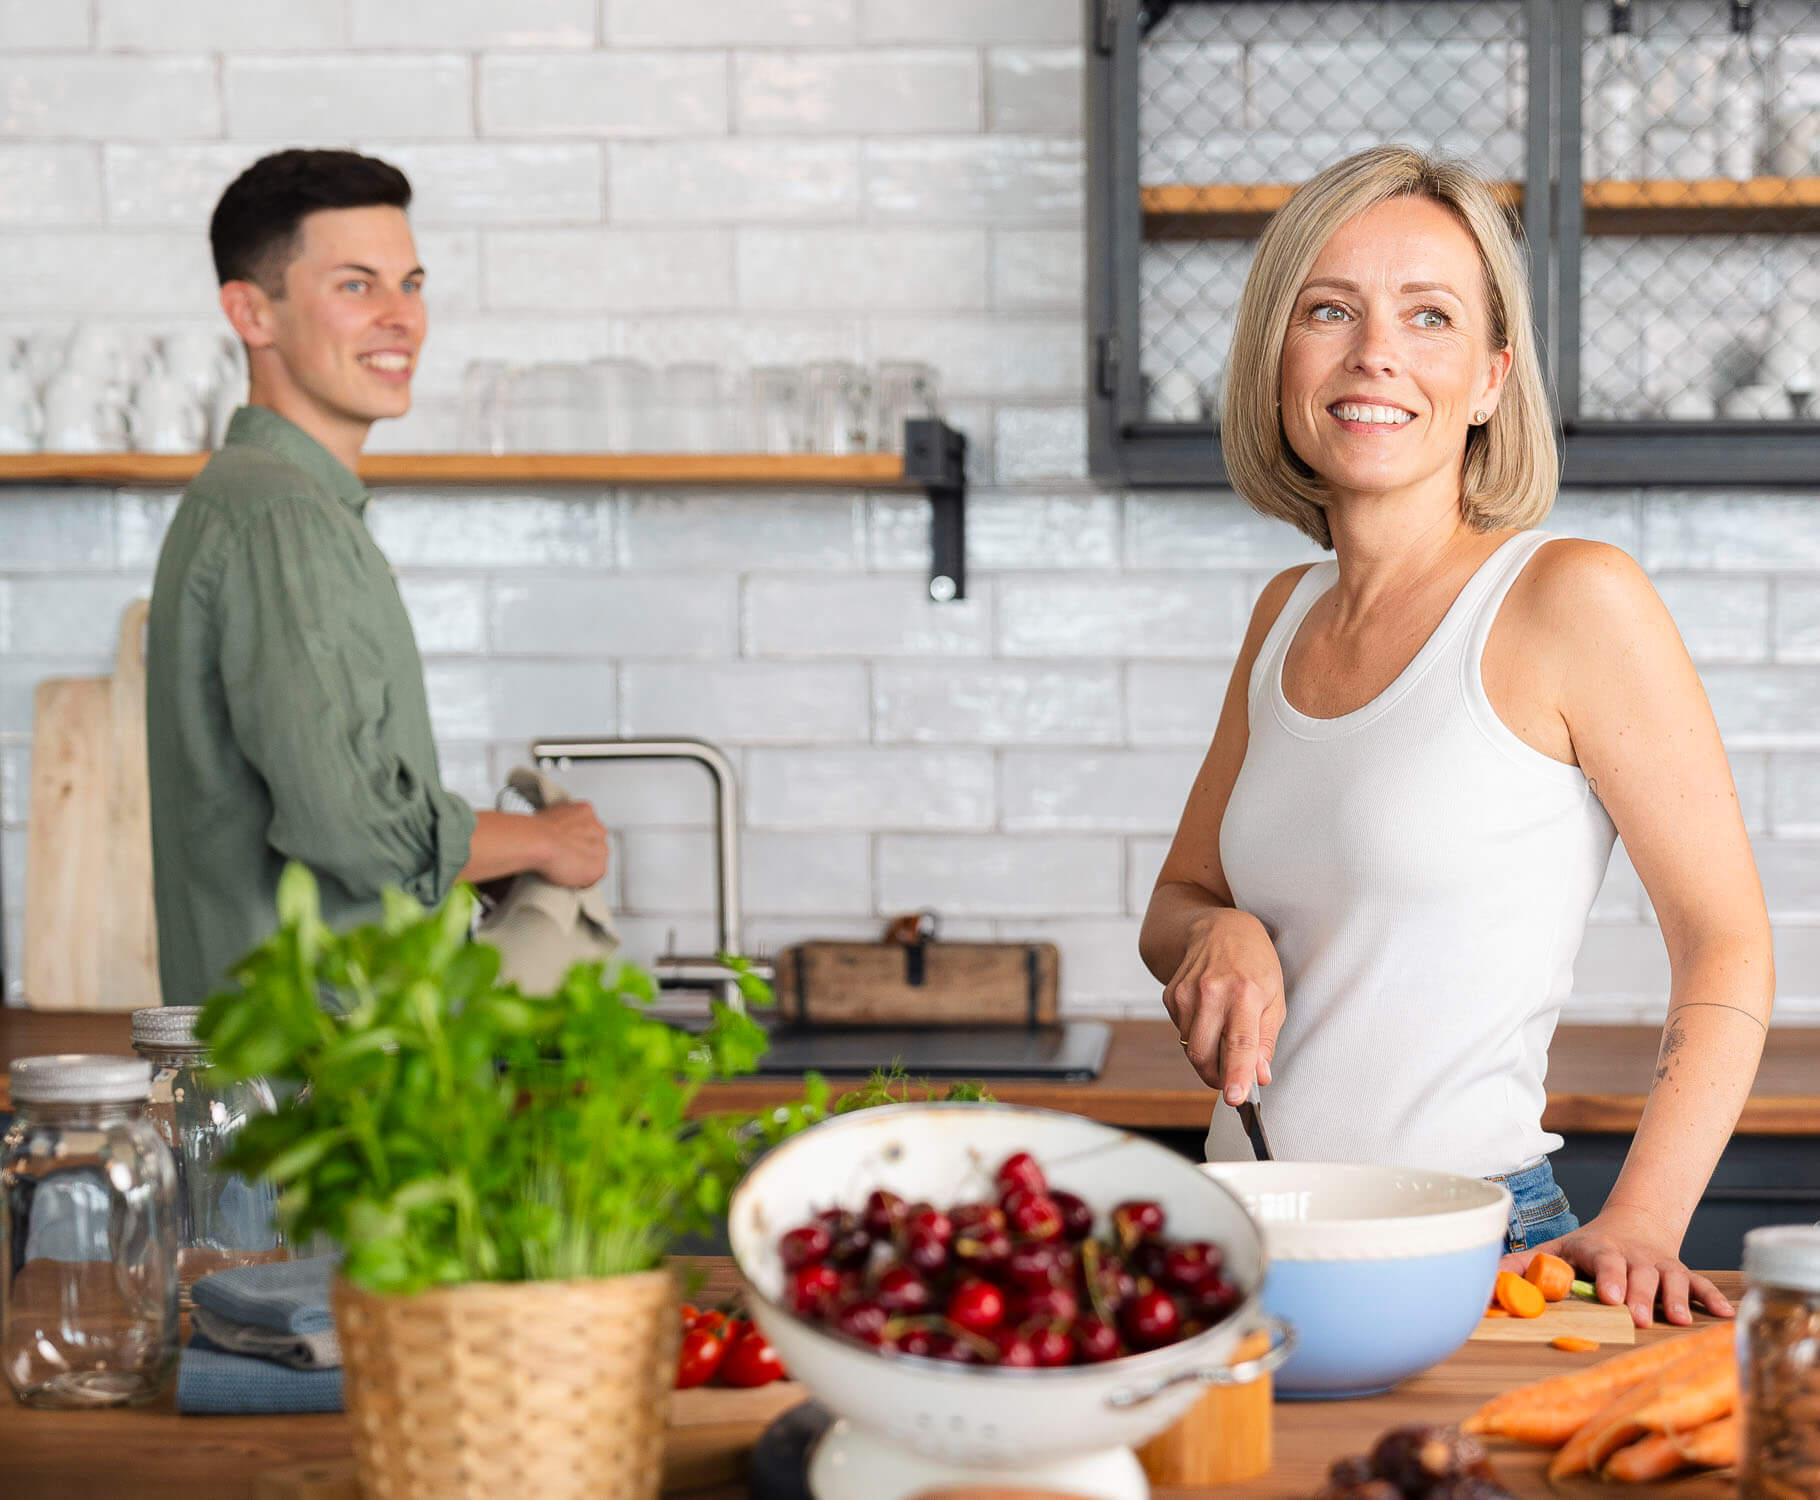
1764 205
489 468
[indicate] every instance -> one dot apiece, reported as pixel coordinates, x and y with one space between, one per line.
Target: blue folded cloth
286 1296
210 1380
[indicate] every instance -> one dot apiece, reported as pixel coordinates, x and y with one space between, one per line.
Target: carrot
1547 1413
1520 1298
1689 1392
1574 1345
1551 1276
1497 1312
1713 1446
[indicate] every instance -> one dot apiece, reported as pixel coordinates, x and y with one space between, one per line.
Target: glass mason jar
1779 1362
88 1235
222 1219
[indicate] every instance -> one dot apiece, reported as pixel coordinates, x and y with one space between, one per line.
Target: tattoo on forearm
1671 1044
1717 1005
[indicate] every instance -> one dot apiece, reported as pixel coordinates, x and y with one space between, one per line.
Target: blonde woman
1383 873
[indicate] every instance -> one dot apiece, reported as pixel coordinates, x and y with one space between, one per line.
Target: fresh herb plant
442 1127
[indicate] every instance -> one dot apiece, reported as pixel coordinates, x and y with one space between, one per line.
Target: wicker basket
545 1389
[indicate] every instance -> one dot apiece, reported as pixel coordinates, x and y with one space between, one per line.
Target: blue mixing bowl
1382 1271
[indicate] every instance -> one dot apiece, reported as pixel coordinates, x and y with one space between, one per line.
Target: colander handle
1282 1345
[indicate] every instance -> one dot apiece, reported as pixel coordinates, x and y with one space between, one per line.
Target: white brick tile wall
1756 533
1034 90
807 615
1794 780
999 180
1143 863
669 870
171 186
472 700
15 783
1622 960
958 703
473 24
447 614
1797 620
1037 268
1790 869
1009 357
869 788
1765 707
629 94
465 772
69 615
1174 703
107 98
969 21
1614 517
1101 973
1003 531
1750 775
271 97
1038 444
870 270
730 23
1165 530
735 181
1720 619
992 875
451 261
615 614
425 530
49 185
31 24
1122 791
19 678
682 530
806 874
609 270
746 703
871 92
627 794
56 529
218 25
1130 616
553 183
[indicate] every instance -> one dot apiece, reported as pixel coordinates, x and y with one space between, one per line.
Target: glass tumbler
88 1235
695 409
906 389
222 1219
779 413
621 406
842 413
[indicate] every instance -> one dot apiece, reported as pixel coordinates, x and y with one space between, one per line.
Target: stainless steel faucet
674 971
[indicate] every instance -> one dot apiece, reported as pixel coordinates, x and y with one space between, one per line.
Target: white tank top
1425 877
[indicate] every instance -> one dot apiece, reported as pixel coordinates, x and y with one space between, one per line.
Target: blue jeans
1538 1209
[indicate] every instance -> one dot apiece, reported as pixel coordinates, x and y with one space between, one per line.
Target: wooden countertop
151 1453
1598 1076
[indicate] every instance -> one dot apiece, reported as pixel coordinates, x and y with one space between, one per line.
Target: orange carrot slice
1546 1413
1497 1312
1551 1276
1520 1298
1575 1346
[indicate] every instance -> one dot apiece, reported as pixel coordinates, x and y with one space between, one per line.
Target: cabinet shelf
1763 205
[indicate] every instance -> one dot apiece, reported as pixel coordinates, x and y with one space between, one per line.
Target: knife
1254 1123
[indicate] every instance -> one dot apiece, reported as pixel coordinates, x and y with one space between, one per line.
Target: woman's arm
1223 986
1643 732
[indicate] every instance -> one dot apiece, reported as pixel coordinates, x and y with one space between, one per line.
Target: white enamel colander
909 1422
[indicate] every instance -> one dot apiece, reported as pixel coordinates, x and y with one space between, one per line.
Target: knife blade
1253 1121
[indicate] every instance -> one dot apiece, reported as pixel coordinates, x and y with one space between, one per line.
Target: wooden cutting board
1570 1318
710 1438
91 938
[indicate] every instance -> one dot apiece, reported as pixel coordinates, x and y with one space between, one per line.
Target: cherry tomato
751 1361
713 1319
702 1352
689 1313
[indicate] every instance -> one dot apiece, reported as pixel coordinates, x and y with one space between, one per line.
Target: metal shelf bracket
935 456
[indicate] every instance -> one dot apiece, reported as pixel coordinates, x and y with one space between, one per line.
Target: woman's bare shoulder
1574 582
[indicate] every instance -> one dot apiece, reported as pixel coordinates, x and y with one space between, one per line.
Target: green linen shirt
285 709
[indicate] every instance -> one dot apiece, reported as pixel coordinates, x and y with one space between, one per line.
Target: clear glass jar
222 1219
1779 1363
88 1235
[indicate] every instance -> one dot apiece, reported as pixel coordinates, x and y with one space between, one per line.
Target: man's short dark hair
257 223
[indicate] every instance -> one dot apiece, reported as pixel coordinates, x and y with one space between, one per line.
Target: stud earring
1481 416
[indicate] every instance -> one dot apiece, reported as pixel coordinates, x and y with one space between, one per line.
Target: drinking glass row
625 406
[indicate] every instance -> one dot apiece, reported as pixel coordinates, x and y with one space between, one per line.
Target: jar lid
166 1026
80 1078
1786 1255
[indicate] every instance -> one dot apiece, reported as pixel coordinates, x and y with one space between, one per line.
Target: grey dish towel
213 1381
277 1310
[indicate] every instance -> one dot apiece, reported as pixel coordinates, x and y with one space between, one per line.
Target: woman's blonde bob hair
1509 469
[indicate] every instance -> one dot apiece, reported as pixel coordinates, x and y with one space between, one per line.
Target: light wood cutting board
1570 1318
91 938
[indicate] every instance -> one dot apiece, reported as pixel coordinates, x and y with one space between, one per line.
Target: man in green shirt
285 708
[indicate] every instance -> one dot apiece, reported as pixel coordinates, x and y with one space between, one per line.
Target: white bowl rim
1467 1226
1245 1317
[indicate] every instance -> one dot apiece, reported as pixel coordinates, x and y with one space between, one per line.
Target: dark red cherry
977 1306
805 1245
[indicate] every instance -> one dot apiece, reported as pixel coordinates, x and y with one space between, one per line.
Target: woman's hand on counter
1629 1260
1226 1000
